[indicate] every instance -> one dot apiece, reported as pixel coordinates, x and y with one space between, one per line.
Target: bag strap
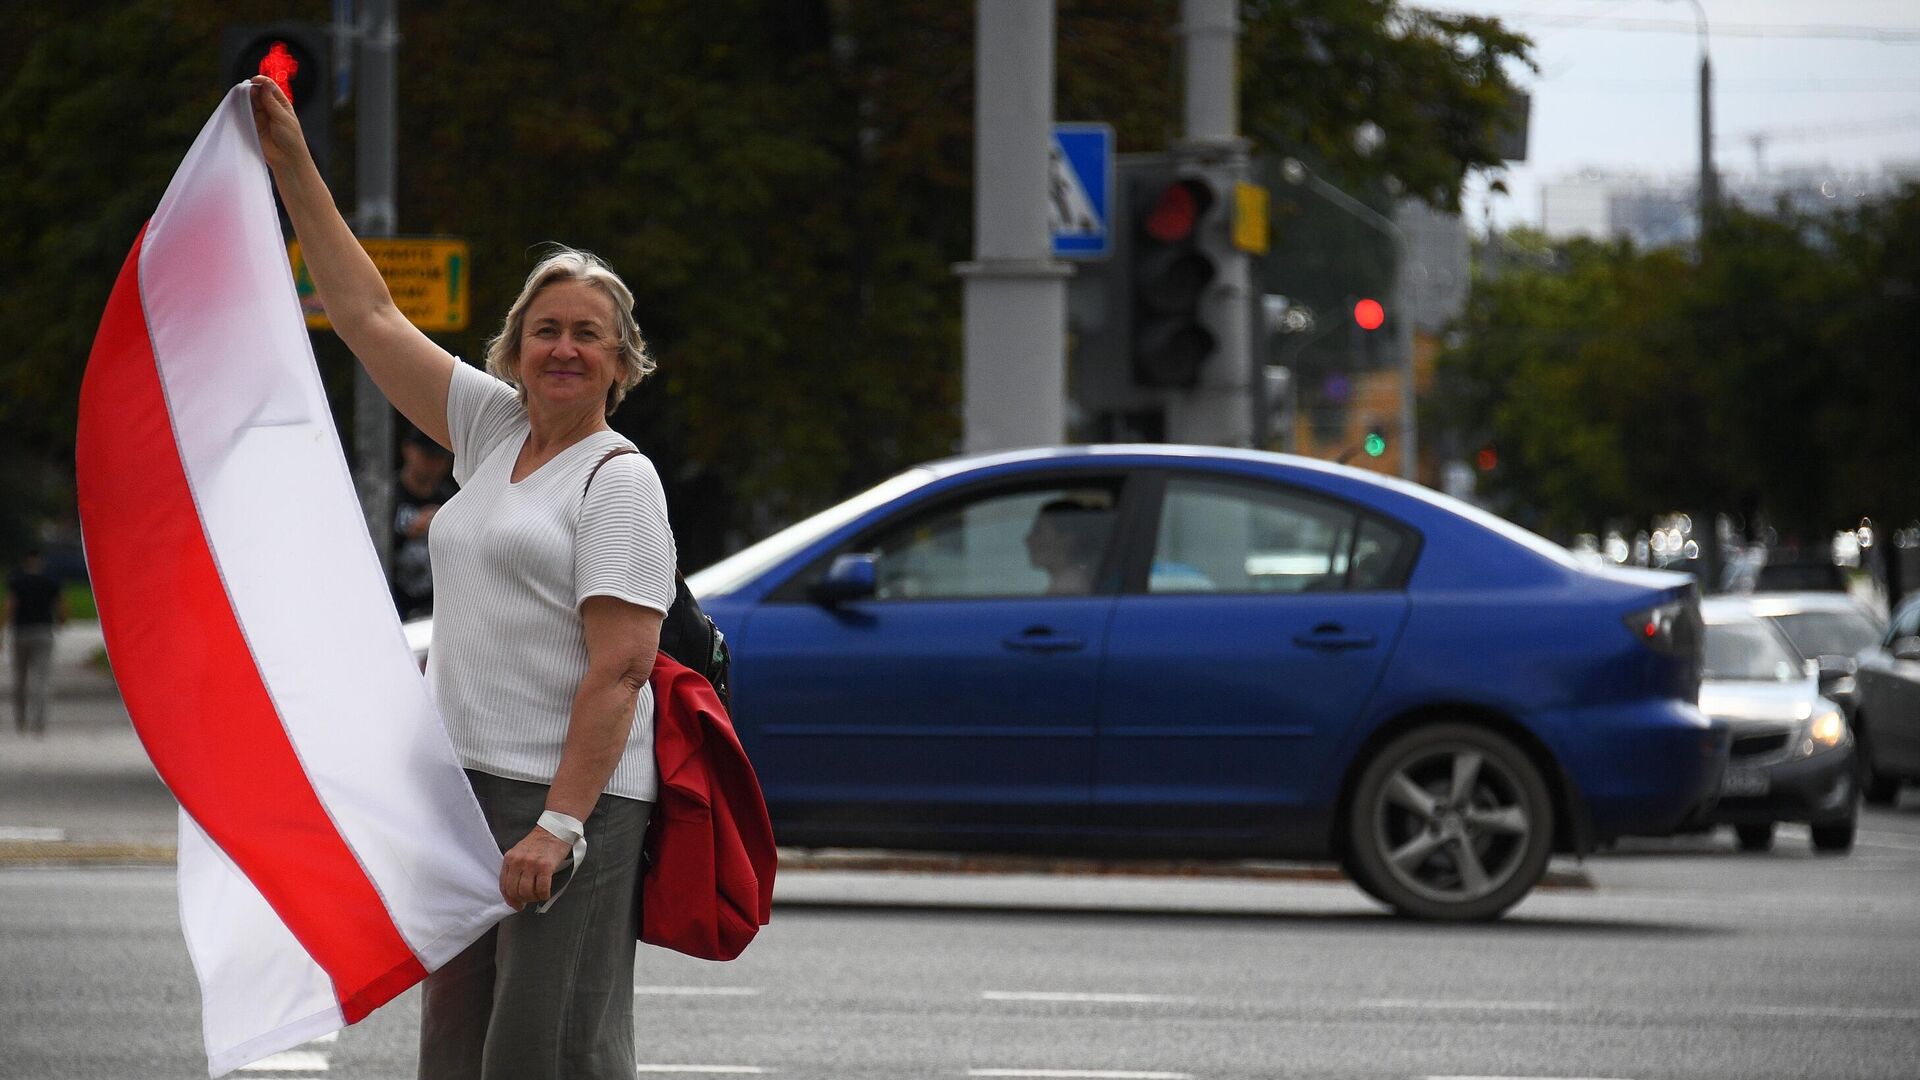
609 456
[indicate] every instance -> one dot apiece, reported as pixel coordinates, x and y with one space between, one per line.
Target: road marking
1808 1012
1826 1012
290 1061
1097 999
32 834
697 991
1484 1006
1519 1078
1082 1074
707 1070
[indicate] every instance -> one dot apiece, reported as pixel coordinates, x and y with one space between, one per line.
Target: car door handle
1041 639
1332 638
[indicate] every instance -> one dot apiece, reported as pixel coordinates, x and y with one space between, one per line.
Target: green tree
1761 379
785 183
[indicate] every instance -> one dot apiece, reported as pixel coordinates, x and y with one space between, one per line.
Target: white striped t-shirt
512 564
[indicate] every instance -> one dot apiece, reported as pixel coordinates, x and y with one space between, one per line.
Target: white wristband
568 830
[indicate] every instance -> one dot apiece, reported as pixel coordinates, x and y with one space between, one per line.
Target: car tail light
1672 628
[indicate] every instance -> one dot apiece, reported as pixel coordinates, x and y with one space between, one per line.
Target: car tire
1449 822
1876 788
1755 837
1834 837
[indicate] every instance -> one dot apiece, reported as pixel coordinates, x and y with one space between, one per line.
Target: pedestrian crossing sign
1080 190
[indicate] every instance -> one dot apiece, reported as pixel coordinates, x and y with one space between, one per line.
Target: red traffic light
1488 459
280 66
1369 315
1177 211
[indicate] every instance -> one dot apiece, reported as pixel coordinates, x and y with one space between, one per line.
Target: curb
91 853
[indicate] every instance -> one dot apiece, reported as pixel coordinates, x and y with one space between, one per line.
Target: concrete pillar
1014 294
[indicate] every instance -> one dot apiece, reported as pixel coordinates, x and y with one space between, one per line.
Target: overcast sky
1836 82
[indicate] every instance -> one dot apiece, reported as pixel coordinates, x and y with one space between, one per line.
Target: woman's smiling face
569 346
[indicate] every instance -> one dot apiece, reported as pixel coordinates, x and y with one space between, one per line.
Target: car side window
1047 541
1234 537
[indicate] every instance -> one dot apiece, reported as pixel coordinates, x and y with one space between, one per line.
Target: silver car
1792 757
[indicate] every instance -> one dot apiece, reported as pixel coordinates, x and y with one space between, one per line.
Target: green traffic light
1376 444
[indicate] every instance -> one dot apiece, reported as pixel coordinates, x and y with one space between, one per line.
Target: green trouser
544 995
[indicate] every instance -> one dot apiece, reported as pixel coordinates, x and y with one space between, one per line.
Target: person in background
33 610
424 484
1065 543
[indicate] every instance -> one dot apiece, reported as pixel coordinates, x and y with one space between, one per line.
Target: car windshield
742 566
1748 651
1829 633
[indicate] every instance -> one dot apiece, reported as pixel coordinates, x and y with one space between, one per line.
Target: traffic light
1172 268
1488 459
296 56
1368 314
1375 444
1364 336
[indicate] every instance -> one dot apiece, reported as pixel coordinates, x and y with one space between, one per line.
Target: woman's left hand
527 875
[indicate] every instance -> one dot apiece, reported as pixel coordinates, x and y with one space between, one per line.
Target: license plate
1745 782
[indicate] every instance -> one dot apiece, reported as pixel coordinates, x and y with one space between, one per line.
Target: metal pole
375 216
1014 298
1709 179
1220 411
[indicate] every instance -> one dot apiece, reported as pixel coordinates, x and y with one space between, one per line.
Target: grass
79 601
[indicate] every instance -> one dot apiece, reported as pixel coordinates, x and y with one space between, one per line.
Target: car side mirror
1833 666
849 577
1906 648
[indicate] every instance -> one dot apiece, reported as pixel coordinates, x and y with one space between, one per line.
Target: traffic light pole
1220 410
375 217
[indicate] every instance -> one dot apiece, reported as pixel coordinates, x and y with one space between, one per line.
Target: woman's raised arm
408 367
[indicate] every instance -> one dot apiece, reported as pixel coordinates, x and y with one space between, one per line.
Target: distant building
1662 211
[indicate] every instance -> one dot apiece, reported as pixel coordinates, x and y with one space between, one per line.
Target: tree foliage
1767 378
786 184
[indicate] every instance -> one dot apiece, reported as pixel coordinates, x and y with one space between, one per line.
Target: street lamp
1295 172
1709 181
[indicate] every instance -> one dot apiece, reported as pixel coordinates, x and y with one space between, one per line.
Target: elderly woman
553 569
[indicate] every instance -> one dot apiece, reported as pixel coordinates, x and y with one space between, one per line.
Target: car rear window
1829 633
1748 651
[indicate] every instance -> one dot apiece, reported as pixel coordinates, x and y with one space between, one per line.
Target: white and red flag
331 853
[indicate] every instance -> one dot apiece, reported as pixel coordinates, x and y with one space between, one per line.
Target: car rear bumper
1814 789
1648 769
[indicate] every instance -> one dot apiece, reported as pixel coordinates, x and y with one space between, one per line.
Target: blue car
1157 650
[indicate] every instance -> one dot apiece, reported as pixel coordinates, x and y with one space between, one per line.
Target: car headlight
1825 732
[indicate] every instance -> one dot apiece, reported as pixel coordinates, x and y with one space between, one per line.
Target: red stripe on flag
189 679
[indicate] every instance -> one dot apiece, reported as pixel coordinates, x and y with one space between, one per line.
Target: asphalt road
1684 959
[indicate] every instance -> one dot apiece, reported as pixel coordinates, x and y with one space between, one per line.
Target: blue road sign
1080 190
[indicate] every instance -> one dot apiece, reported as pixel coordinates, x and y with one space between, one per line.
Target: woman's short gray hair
568 264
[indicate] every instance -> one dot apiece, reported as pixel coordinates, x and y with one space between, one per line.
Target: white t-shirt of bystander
512 564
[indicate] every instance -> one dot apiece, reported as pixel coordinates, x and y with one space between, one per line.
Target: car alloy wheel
1450 821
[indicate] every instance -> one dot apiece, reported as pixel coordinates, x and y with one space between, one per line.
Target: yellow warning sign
427 276
1250 217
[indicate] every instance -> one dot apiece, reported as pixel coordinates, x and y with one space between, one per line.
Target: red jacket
707 883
